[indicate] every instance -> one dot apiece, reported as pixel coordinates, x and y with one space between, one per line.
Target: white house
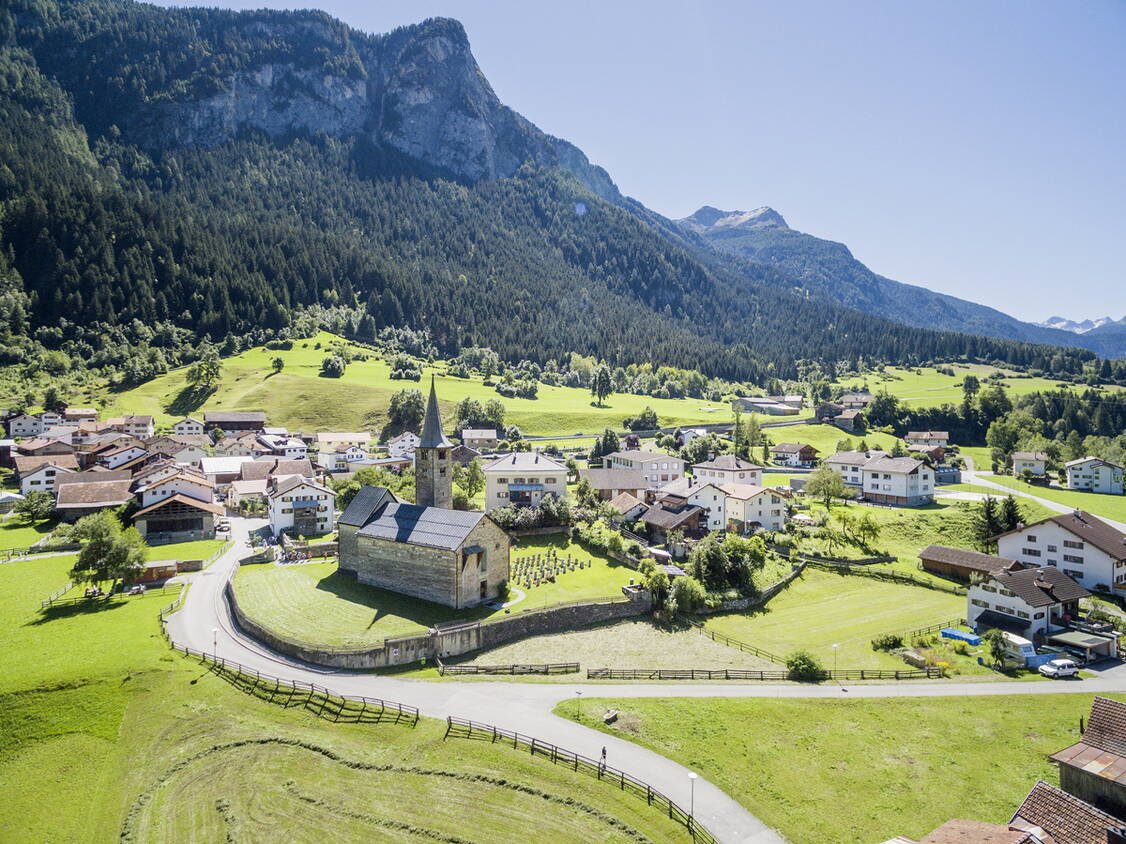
764 404
337 459
182 449
1029 602
189 426
794 454
523 478
140 427
283 445
403 445
903 481
657 467
1091 474
51 418
182 483
331 439
929 438
75 416
301 506
25 425
482 439
849 465
1082 546
749 507
120 456
727 468
43 478
1034 462
706 494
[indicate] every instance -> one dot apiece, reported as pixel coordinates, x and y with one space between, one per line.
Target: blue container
954 633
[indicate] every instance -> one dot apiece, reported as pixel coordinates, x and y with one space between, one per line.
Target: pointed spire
432 436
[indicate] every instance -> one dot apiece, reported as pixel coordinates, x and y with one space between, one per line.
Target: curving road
204 623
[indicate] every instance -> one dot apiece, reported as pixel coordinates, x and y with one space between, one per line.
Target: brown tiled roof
258 469
669 518
966 559
208 506
623 502
793 448
1067 819
98 473
614 478
976 832
1089 528
1106 728
728 462
26 464
93 494
190 478
1041 587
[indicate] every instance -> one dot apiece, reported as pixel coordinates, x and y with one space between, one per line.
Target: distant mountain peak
708 217
1081 327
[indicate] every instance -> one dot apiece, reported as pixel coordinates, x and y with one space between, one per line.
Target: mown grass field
862 770
824 438
1107 506
300 399
15 532
926 387
821 609
315 603
106 734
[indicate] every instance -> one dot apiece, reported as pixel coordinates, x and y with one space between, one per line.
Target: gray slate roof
432 436
412 524
365 505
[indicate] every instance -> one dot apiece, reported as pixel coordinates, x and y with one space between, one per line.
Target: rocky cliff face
418 90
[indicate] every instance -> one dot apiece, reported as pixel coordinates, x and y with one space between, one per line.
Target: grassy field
1108 506
105 734
300 399
821 609
926 387
15 532
824 438
871 769
625 644
315 603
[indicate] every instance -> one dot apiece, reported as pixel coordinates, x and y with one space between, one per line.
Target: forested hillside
122 238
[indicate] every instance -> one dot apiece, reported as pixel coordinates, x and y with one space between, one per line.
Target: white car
1059 668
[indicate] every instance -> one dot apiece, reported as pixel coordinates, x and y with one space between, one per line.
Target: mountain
185 171
1083 327
827 270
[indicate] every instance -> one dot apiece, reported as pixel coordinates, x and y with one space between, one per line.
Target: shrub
332 366
959 647
887 642
803 667
689 594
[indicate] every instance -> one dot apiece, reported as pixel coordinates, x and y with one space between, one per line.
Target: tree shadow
189 399
86 606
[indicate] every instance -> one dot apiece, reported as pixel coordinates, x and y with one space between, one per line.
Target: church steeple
433 472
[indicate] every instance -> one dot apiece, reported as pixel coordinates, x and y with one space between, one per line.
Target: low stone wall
539 531
740 604
446 641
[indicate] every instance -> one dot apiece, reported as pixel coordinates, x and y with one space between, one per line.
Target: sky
974 148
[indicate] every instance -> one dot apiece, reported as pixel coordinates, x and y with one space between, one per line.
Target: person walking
603 763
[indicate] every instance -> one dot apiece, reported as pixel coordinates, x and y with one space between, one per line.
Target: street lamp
579 703
692 797
835 647
214 641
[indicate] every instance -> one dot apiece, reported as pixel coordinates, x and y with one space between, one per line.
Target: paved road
205 623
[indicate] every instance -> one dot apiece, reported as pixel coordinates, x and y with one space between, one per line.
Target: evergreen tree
987 522
1009 517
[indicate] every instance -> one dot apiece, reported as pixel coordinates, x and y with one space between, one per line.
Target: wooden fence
56 600
887 574
735 643
749 674
908 635
546 668
463 728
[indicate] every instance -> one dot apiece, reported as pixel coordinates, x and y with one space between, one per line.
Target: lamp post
214 641
579 704
692 794
835 647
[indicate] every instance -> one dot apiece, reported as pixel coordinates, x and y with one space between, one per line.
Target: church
427 549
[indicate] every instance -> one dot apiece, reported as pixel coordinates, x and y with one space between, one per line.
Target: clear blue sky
976 148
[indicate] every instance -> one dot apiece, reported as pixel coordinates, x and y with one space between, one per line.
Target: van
1018 650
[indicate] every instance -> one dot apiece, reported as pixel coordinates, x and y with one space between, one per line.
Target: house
25 425
51 418
231 421
162 467
935 453
941 438
961 564
177 518
87 432
795 401
243 444
182 483
189 426
849 420
74 416
849 465
1081 545
402 445
794 454
116 458
40 447
610 483
337 458
37 474
222 470
1092 474
252 470
451 557
331 439
523 479
768 406
707 495
1094 768
1033 462
183 449
79 498
958 831
482 439
903 481
1030 602
727 468
301 506
629 506
748 508
658 467
673 513
1056 817
686 436
6 448
140 427
239 492
856 401
283 445
463 455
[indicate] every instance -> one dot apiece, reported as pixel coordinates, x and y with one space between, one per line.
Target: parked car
1059 668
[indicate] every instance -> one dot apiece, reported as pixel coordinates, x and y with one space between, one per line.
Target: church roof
411 524
432 436
365 504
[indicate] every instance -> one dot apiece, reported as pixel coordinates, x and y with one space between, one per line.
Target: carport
1095 647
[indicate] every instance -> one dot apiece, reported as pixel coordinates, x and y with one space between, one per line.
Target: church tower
433 464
